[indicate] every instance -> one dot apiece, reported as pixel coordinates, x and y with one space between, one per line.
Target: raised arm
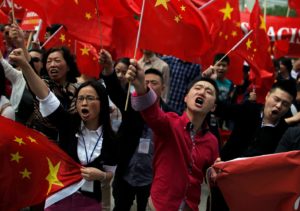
36 84
136 76
105 60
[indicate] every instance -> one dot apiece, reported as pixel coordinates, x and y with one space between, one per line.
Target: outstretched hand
210 73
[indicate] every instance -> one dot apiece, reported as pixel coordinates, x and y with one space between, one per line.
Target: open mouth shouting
84 113
199 102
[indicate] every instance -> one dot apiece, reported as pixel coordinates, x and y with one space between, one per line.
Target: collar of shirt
189 126
87 139
149 60
267 125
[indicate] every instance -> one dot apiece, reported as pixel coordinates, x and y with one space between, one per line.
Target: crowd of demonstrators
182 142
149 139
133 176
85 135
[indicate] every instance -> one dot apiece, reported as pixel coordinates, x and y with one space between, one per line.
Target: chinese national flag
60 38
262 183
82 21
87 59
174 28
255 50
199 3
225 29
33 168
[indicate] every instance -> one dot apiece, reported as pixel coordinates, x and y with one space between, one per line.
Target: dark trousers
124 195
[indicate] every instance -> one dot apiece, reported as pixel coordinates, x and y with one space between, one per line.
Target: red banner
6 6
280 28
30 21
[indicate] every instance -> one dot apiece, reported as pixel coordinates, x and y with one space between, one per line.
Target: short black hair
288 86
209 80
124 60
220 56
155 72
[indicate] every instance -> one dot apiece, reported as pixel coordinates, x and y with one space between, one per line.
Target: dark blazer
132 124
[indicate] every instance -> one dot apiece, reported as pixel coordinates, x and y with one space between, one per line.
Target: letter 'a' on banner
32 167
262 183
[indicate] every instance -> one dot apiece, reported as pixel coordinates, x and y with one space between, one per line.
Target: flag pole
48 40
288 12
234 47
99 24
136 49
206 4
13 12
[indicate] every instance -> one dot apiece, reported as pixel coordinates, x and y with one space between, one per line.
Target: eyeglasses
88 98
35 59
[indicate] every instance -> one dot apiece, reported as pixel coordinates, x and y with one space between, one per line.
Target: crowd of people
155 150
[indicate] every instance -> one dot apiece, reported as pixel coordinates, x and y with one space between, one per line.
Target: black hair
104 115
209 80
220 56
124 60
70 60
2 81
288 86
53 28
155 72
287 63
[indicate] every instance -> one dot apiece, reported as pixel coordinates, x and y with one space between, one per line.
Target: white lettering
280 32
271 33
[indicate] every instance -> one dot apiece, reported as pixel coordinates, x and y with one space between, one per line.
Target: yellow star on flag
182 8
52 176
19 140
227 11
25 173
85 51
234 33
32 140
262 23
62 38
16 157
88 15
162 2
177 19
248 43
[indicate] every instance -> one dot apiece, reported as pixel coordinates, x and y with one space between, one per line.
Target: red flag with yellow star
225 29
79 17
174 28
87 59
60 38
255 50
33 168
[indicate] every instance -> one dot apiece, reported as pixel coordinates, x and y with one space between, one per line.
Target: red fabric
82 22
199 3
226 32
3 17
174 28
269 182
6 7
295 4
60 38
282 28
255 50
280 48
87 59
177 176
27 157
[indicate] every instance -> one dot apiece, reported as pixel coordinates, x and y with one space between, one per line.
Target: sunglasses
35 59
